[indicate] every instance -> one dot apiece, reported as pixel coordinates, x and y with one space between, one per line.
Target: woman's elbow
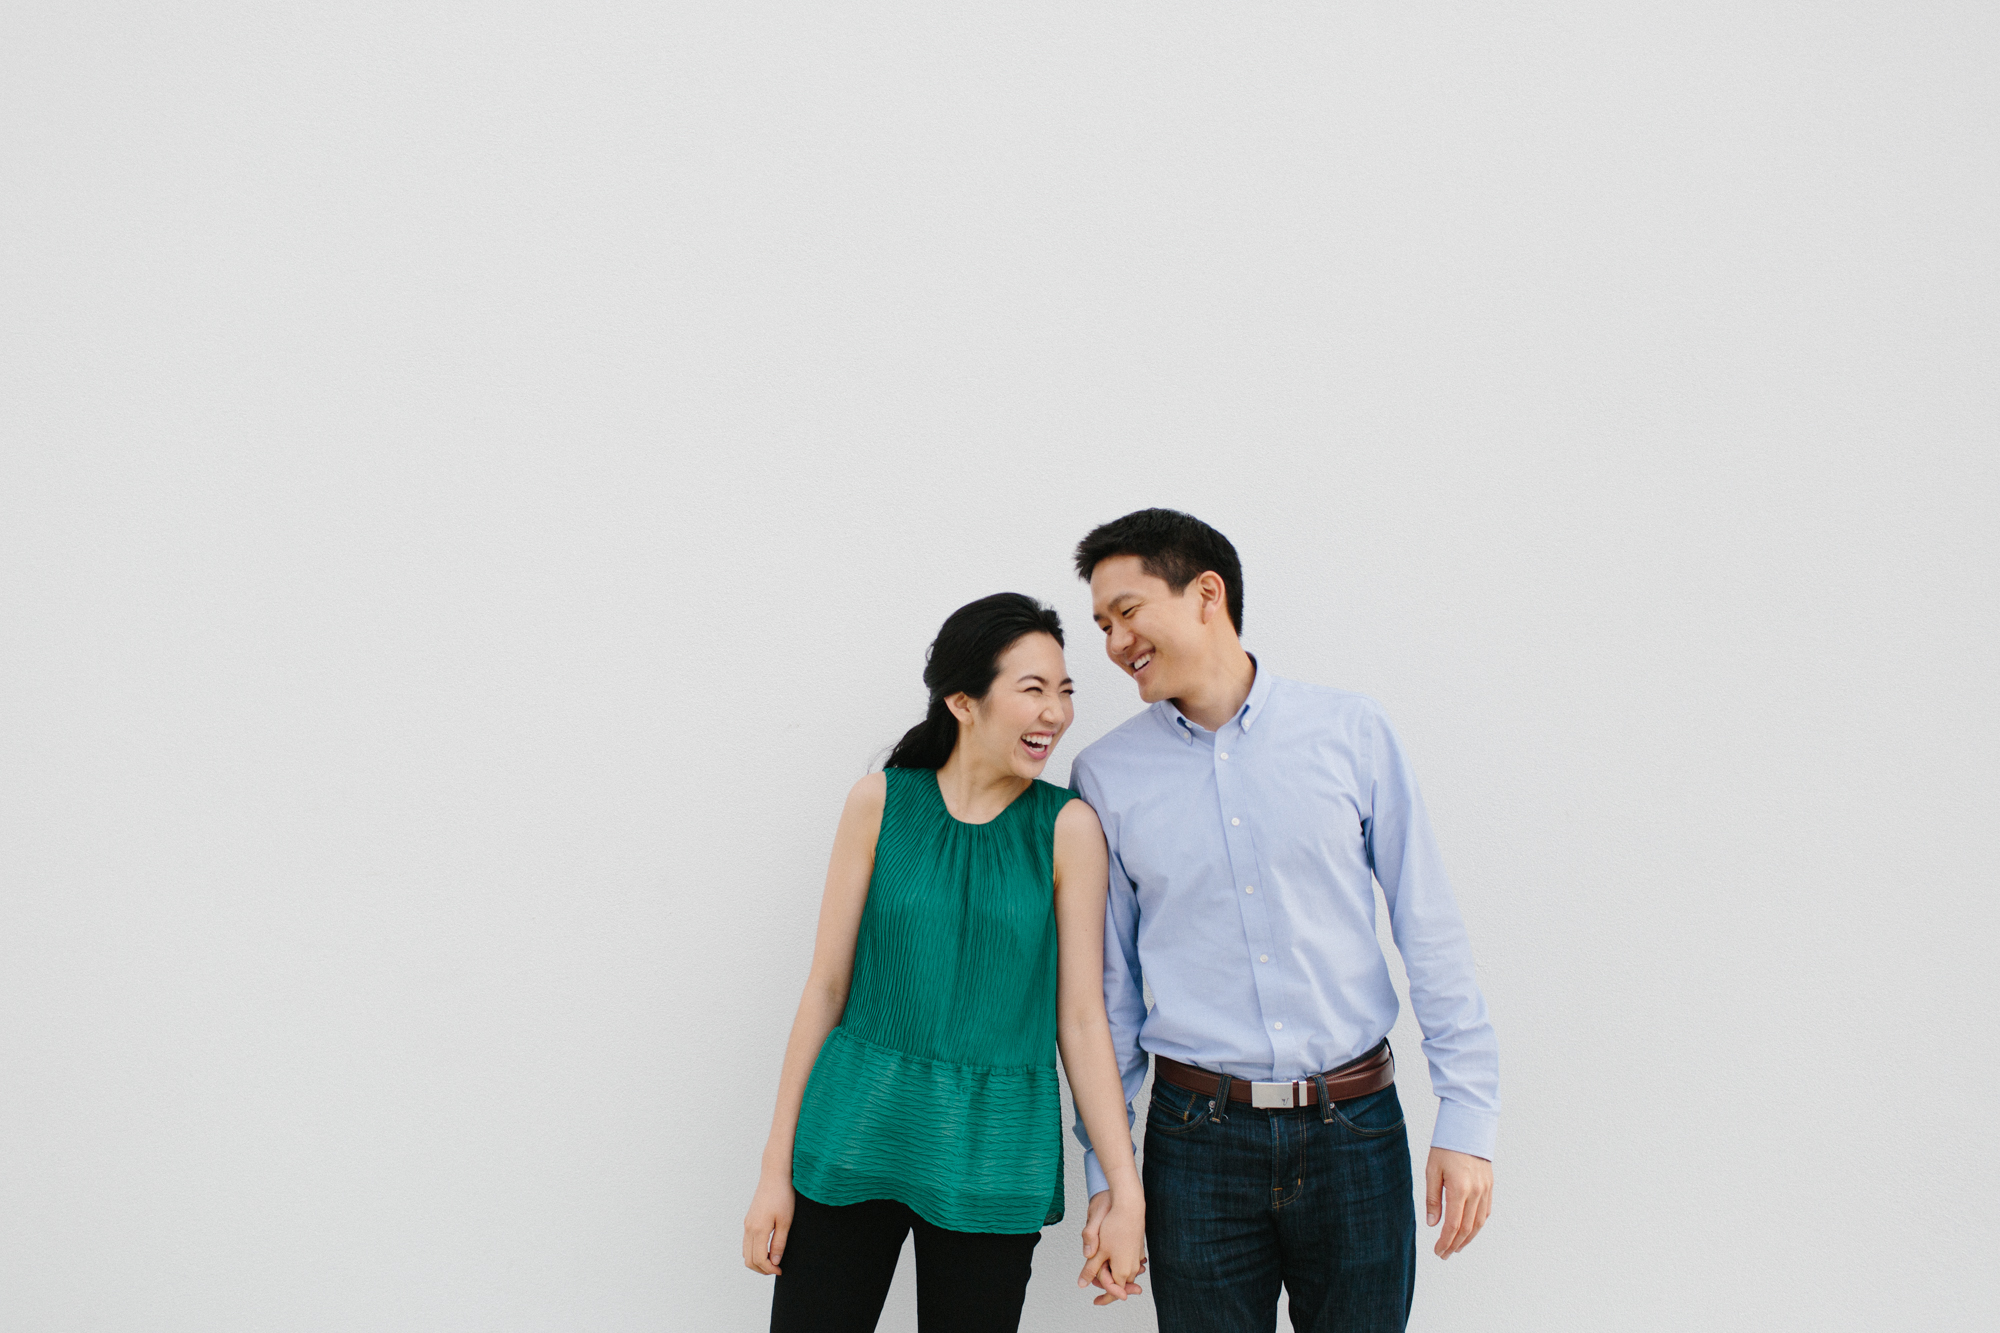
1081 1020
828 993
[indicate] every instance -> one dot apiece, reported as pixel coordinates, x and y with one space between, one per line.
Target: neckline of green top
1005 810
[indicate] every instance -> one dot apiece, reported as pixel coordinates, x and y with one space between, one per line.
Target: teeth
1140 664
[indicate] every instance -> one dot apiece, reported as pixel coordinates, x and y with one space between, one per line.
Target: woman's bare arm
1084 1034
820 1008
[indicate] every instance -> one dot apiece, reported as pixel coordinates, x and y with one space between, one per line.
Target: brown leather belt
1357 1078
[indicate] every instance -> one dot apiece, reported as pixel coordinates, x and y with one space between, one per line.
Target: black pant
838 1262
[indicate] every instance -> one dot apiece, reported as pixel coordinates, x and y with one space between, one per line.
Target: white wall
478 483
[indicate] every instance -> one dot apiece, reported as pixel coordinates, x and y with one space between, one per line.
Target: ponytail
928 744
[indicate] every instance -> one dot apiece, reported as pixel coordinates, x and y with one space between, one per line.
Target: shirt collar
1260 690
1246 716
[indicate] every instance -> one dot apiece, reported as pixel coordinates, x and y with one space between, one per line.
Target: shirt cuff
1093 1175
1462 1129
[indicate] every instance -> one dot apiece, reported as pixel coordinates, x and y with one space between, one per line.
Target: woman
960 943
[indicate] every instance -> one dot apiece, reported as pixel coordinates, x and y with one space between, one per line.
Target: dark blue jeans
1316 1199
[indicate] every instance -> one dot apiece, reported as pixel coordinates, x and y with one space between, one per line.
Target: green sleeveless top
938 1089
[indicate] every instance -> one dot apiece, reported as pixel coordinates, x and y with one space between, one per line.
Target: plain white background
479 480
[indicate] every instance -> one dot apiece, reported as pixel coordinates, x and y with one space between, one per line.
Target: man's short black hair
1173 547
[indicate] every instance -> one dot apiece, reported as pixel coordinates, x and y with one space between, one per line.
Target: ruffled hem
968 1148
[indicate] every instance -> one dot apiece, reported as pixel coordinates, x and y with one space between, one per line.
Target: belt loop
1325 1102
1220 1111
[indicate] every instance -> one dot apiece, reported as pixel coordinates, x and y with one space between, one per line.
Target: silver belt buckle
1273 1095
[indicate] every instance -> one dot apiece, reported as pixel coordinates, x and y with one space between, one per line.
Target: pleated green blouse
938 1089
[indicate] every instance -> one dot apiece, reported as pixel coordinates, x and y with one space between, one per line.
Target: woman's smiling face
1025 712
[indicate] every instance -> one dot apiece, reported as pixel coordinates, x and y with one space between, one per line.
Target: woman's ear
960 706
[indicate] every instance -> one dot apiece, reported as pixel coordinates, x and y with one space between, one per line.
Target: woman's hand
1114 1245
767 1223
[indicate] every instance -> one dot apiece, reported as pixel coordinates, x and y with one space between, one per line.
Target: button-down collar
1245 717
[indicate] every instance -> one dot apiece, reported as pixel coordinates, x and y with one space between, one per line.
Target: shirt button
1249 888
1225 754
1235 822
1263 958
1278 1025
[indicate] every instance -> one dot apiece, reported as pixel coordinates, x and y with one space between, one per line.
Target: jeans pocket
1373 1114
1177 1110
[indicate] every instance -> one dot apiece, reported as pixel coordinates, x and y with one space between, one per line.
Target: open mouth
1142 663
1038 744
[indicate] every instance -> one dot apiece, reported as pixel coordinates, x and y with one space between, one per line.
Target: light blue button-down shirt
1243 866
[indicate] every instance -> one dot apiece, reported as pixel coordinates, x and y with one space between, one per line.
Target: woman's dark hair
963 659
1173 547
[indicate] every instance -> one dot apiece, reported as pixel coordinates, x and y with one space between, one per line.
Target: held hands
1466 1183
767 1223
1114 1245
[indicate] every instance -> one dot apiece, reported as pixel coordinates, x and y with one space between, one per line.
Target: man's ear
1214 596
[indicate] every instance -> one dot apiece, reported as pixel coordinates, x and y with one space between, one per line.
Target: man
1249 818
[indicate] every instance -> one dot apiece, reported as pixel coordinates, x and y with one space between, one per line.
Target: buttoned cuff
1093 1175
1462 1129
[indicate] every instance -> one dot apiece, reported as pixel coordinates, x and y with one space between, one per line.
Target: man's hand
1096 1269
1466 1184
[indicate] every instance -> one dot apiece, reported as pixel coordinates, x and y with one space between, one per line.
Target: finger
1467 1227
761 1261
1433 1187
1091 1268
1112 1286
1089 1241
1454 1214
1468 1223
1476 1209
778 1235
1131 1289
1475 1218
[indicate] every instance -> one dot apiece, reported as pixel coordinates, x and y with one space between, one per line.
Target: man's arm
1459 1041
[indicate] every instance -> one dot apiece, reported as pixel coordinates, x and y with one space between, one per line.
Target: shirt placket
1253 896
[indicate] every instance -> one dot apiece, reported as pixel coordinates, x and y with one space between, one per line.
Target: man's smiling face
1151 633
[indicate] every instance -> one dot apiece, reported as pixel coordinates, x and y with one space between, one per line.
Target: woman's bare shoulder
867 796
1078 820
